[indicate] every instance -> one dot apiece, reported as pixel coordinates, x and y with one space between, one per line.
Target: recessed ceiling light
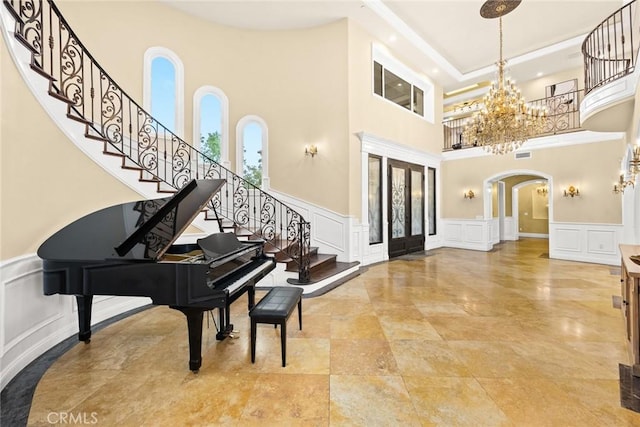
435 71
392 38
540 74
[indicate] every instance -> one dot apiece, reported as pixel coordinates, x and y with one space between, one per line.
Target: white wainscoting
31 322
597 243
473 234
509 229
495 231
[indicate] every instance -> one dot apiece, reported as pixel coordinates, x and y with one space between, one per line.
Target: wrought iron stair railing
563 116
127 130
610 51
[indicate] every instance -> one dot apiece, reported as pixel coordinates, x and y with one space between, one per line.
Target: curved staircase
116 132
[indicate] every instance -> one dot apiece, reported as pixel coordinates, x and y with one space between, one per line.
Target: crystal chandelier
505 121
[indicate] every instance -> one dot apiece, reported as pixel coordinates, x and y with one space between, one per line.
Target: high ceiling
446 40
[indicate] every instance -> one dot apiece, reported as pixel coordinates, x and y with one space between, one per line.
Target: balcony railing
611 50
563 116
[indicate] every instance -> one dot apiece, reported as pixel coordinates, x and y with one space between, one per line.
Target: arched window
251 154
211 123
163 94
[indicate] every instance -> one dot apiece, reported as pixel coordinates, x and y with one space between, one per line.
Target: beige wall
535 89
633 131
372 114
591 167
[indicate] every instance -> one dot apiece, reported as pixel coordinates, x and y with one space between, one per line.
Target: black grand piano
128 250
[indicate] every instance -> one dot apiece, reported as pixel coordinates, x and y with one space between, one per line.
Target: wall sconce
311 150
571 191
634 163
619 186
543 191
469 195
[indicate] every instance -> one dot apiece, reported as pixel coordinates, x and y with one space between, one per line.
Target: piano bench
275 308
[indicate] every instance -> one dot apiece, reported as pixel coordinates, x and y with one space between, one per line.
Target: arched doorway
521 200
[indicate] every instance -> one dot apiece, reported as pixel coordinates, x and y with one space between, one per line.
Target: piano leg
251 292
84 317
194 324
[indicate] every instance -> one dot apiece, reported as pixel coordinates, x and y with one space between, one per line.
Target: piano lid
136 231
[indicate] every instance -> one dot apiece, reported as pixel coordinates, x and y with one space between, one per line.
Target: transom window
397 90
396 82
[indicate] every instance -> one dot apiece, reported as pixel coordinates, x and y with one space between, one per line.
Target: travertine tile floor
455 338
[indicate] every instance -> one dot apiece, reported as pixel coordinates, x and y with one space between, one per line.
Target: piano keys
128 250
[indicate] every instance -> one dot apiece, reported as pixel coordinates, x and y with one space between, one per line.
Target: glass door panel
417 222
375 200
398 202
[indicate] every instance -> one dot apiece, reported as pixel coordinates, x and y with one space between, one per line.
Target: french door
406 208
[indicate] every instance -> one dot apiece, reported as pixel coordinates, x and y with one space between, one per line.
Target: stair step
16 16
281 257
23 40
327 272
38 69
277 245
95 137
317 261
243 232
111 150
146 176
73 114
210 216
163 187
313 251
228 225
54 93
82 120
129 164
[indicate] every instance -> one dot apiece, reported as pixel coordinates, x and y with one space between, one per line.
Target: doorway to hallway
521 205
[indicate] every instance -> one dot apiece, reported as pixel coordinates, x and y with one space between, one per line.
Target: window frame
394 66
